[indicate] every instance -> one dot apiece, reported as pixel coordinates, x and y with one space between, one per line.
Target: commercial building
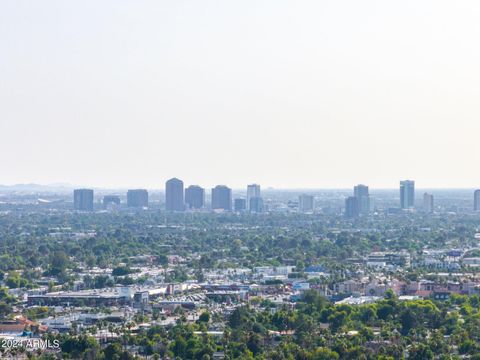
137 198
376 259
121 295
174 195
476 200
256 204
83 199
221 198
110 201
362 194
92 298
194 197
305 203
428 203
240 204
407 194
253 190
351 207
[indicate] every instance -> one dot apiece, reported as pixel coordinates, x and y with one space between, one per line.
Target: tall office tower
221 198
305 203
194 197
363 197
111 201
137 198
428 203
476 200
253 190
83 199
407 194
174 195
240 204
351 207
256 204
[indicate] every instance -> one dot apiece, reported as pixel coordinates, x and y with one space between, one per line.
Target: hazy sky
283 93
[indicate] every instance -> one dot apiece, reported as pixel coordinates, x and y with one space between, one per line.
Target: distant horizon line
68 186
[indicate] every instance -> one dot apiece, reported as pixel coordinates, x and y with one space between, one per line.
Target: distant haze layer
310 94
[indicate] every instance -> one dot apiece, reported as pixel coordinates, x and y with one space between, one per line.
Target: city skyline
179 198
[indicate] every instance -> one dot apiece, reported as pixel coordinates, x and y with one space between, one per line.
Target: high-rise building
428 203
174 195
221 198
476 200
371 200
305 203
253 190
363 197
240 204
256 204
351 207
110 201
137 198
407 194
83 199
194 197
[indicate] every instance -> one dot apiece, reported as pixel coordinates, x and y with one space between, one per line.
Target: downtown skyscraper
174 195
351 207
83 199
194 197
362 194
407 194
137 198
253 191
476 200
222 198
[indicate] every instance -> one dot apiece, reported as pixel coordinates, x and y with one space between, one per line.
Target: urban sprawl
239 274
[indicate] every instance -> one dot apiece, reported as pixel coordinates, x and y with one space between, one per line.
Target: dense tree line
314 329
